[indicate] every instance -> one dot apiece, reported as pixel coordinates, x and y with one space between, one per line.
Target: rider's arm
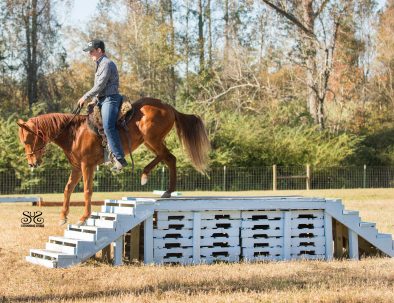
102 76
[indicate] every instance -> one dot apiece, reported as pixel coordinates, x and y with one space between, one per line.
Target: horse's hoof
144 179
166 194
62 221
81 223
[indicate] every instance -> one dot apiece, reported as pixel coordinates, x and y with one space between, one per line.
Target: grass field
368 280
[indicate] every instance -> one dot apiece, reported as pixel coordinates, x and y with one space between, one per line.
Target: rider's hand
81 102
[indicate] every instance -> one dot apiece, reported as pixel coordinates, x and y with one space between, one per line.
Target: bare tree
317 23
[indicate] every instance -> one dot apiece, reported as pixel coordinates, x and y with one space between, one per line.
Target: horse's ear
20 122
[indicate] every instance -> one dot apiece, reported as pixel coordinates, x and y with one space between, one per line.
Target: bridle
75 112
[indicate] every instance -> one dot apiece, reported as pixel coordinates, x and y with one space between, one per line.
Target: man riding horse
106 90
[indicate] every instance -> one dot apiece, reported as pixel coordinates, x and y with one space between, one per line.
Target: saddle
95 123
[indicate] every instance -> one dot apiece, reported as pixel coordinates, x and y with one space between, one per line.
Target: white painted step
58 259
101 223
367 224
81 246
42 262
351 212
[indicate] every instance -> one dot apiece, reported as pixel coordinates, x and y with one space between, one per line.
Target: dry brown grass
369 280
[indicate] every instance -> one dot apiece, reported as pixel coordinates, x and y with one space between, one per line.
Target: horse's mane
50 125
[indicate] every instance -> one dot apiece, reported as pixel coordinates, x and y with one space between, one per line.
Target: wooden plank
287 233
118 251
328 236
135 243
338 240
261 215
181 242
250 233
261 242
148 240
353 245
196 237
262 224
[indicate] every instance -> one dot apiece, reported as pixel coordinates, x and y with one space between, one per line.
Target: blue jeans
110 106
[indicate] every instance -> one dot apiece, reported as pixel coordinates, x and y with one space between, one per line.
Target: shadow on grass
256 283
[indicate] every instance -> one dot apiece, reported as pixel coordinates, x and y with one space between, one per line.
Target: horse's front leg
87 173
73 180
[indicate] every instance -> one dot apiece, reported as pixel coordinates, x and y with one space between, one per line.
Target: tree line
287 82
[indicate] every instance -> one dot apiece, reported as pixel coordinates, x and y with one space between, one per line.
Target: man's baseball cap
94 44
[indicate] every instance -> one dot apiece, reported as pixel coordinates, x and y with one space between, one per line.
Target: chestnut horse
151 122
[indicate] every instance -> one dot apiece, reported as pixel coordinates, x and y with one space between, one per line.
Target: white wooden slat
223 223
314 213
251 251
230 241
211 251
219 232
270 242
196 237
320 250
249 233
306 223
182 242
315 232
261 215
184 252
175 224
262 224
174 215
308 242
216 215
171 234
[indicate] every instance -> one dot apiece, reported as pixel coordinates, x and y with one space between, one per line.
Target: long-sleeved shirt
106 79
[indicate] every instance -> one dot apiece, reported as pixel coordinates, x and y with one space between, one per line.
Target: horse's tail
194 138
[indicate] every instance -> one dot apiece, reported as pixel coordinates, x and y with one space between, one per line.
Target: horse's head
33 141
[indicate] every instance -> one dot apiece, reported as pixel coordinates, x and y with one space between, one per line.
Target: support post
196 237
328 236
118 250
135 243
353 245
274 185
106 254
224 178
148 240
308 177
287 236
338 240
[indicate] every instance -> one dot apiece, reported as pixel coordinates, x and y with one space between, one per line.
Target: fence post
274 177
224 178
162 178
365 176
308 177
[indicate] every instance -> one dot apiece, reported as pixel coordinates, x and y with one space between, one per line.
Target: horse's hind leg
73 180
148 168
162 154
